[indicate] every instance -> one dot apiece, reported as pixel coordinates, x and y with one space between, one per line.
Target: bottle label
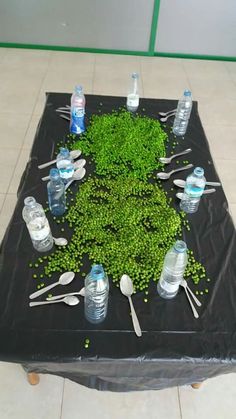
169 287
36 231
77 120
133 100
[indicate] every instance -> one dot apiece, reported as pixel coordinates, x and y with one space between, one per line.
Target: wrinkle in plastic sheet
175 348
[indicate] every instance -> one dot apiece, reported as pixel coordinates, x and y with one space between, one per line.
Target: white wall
197 27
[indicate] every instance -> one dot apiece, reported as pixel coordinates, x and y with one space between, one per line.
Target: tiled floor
25 76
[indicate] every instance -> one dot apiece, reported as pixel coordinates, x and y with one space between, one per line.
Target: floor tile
232 211
8 161
164 87
13 129
204 69
31 131
7 209
222 141
113 74
217 111
215 399
207 88
81 401
162 67
2 198
227 173
19 169
3 52
71 60
20 400
20 98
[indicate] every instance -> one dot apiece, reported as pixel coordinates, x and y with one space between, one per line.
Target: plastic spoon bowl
126 286
166 113
69 300
60 241
164 119
64 279
78 175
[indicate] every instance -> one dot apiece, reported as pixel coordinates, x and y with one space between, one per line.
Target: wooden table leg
196 385
33 378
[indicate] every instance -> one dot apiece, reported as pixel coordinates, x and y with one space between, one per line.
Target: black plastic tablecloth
175 347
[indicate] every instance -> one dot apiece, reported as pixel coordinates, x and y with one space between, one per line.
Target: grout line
180 408
30 120
62 398
43 79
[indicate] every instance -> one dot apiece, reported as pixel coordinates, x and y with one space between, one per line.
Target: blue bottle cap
54 173
198 171
135 75
180 246
97 272
187 93
78 89
64 151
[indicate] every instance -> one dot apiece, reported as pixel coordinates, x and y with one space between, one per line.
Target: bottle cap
54 173
30 201
97 272
64 151
78 89
198 171
135 75
187 93
180 246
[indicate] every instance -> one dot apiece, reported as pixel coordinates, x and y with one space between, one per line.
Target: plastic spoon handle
136 324
188 150
46 178
43 290
213 183
42 303
181 168
57 297
195 313
69 183
42 166
194 297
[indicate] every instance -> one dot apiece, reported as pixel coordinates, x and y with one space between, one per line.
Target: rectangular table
175 348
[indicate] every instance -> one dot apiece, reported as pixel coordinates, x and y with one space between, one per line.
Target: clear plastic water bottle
77 122
56 193
183 114
96 295
65 164
194 188
132 102
37 224
173 270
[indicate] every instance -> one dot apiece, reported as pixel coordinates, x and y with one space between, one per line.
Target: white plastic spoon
56 297
70 300
60 241
126 286
165 175
180 195
78 175
64 279
77 165
74 154
181 183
